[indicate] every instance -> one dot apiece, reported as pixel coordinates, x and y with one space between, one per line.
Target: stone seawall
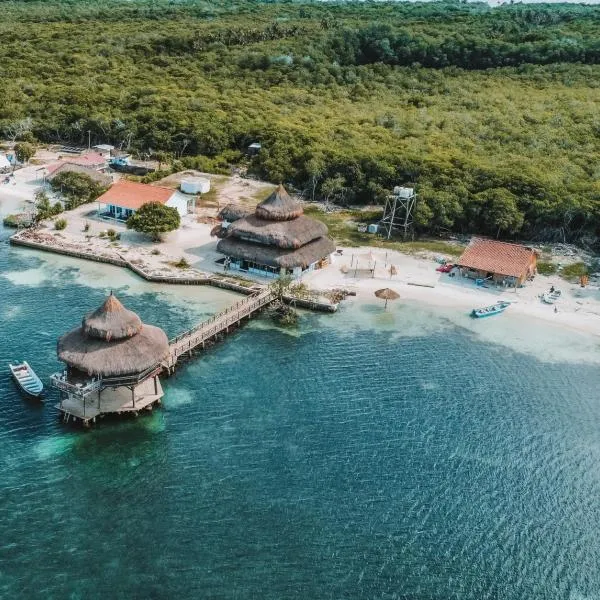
215 280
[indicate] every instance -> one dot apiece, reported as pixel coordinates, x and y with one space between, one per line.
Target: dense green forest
491 113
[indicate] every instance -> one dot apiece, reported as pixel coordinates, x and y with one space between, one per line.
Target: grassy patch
182 263
574 271
343 227
546 268
237 278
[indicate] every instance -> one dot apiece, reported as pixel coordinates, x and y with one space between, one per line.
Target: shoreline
418 281
48 243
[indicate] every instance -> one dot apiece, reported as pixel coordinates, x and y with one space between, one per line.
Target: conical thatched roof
113 341
279 206
111 321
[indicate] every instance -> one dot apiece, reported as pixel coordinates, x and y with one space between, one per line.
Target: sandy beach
362 270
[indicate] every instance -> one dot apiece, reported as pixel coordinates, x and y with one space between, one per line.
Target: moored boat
551 296
29 383
488 311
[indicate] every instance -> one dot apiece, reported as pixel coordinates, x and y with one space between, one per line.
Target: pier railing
192 338
59 382
80 390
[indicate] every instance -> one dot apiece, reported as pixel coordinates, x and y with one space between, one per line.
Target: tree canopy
24 151
490 113
154 219
76 188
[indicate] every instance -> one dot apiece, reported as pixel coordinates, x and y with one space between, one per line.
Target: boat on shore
26 379
489 311
551 296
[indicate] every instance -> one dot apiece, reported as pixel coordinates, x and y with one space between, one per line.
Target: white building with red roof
124 197
503 263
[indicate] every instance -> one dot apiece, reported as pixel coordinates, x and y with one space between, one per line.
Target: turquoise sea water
366 455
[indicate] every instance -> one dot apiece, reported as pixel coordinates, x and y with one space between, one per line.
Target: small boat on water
25 377
488 311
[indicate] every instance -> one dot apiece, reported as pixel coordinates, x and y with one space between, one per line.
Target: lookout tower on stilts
398 211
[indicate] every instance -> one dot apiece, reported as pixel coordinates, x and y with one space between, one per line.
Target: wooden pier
220 323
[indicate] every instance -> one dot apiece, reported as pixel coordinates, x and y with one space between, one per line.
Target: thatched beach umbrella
387 294
112 341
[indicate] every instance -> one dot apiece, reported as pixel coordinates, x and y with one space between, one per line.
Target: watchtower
397 214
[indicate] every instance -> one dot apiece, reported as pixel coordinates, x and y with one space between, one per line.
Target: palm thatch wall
283 234
277 257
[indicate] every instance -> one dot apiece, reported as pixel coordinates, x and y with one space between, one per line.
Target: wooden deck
217 324
110 401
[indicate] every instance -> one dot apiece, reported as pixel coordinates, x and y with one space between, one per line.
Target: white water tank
403 192
195 185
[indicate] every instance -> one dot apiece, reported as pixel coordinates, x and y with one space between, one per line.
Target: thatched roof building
233 212
112 341
277 236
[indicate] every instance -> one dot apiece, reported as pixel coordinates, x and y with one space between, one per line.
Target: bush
546 268
24 151
154 219
11 221
574 271
113 235
182 263
86 227
156 252
60 224
44 210
77 188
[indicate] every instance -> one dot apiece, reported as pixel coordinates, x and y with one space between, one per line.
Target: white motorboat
25 377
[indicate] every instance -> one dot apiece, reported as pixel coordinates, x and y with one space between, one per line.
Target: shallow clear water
367 455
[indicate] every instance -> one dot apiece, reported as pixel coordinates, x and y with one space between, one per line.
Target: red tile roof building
132 195
92 160
54 170
500 261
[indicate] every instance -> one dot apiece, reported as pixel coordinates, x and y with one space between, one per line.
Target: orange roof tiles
92 160
129 194
511 260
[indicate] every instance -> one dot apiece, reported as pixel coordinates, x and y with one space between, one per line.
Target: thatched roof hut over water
276 236
112 341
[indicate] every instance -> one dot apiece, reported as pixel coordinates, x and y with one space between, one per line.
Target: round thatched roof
387 294
274 256
279 206
111 321
283 234
113 341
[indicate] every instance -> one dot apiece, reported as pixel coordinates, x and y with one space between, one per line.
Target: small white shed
195 185
180 202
